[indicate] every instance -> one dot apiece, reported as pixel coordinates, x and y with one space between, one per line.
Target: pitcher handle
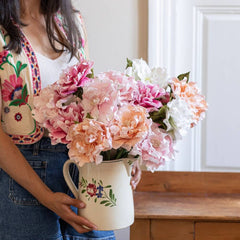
68 178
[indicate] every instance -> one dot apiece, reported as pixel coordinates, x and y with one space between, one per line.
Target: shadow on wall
143 29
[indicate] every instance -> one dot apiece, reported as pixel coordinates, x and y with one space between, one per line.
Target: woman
38 38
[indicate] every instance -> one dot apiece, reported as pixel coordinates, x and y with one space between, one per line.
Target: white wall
116 29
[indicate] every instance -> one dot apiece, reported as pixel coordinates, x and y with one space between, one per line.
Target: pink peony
155 148
125 85
74 77
87 140
147 95
130 126
100 99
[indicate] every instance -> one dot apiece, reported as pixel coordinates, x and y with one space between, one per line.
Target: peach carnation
130 126
87 140
191 94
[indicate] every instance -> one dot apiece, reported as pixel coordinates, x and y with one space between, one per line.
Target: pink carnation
130 126
150 96
87 140
58 127
74 77
56 114
125 85
155 148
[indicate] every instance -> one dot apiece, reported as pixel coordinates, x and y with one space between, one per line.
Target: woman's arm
16 166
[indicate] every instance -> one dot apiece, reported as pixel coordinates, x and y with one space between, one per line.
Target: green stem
34 128
29 106
12 64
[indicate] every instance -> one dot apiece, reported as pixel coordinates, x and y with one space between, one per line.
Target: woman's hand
61 203
136 175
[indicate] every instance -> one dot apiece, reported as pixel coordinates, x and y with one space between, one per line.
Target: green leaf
110 193
129 63
84 190
183 76
23 66
79 92
95 200
24 92
108 204
18 65
159 116
89 116
91 75
108 186
101 182
16 102
103 202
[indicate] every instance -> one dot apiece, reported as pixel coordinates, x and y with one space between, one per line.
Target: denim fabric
22 217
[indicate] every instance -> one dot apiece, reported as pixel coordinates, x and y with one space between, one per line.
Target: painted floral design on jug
96 190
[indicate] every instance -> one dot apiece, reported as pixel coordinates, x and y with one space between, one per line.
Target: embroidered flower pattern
96 190
3 57
14 91
18 117
6 109
12 88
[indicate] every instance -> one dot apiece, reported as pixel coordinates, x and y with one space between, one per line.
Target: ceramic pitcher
106 191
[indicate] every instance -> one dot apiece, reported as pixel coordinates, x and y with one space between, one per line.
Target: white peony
179 118
139 70
159 76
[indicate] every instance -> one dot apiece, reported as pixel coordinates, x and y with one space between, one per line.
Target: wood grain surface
217 231
190 182
172 230
154 205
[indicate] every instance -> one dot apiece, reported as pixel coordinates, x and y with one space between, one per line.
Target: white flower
139 70
179 118
159 76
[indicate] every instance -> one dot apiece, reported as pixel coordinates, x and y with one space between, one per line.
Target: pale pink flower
100 99
126 85
130 126
56 114
155 148
87 140
58 126
74 77
150 96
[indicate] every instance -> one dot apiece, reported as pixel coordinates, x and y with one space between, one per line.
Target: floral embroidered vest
20 81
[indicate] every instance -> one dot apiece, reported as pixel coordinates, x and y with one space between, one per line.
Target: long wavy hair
10 20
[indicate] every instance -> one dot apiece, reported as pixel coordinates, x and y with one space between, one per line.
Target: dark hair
10 20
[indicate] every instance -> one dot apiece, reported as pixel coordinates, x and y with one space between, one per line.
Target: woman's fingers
61 204
136 175
77 203
81 221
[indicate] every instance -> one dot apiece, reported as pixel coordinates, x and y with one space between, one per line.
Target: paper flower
87 140
100 99
149 96
130 126
74 77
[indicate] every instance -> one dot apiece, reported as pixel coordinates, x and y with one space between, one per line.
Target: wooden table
184 206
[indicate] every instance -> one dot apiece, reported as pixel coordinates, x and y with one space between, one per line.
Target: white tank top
51 69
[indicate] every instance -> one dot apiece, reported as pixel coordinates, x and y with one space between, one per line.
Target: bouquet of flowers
140 112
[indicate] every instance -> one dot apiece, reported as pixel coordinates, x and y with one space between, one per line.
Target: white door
203 36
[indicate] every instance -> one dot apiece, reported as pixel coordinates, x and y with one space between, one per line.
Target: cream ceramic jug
106 191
